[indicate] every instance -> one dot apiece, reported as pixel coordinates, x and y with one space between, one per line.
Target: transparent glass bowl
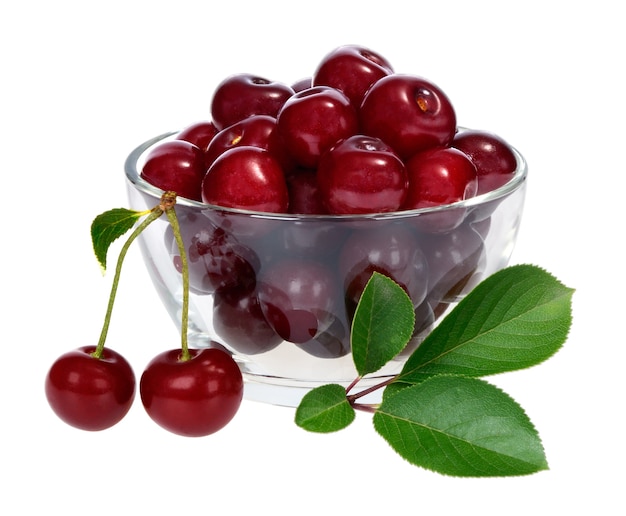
258 279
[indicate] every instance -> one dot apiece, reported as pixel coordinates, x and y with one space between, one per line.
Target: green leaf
382 325
516 318
109 226
460 426
325 409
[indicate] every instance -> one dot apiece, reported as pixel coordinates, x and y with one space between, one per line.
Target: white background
82 83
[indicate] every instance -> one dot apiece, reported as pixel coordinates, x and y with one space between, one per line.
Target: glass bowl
278 290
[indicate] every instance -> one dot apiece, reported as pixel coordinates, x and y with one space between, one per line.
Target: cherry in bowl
278 289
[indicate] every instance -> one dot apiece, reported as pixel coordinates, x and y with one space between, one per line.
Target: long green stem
184 326
153 215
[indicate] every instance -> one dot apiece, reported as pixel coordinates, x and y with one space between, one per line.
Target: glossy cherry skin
90 393
409 113
351 69
195 397
298 298
255 131
175 165
242 95
248 178
313 120
493 157
439 176
198 133
217 260
239 321
362 174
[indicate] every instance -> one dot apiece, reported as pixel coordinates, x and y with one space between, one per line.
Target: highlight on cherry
190 392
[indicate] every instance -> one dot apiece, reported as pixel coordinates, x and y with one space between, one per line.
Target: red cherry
409 113
242 95
246 178
313 120
239 321
298 298
217 260
194 397
175 165
198 133
439 176
254 131
90 393
390 249
493 157
362 174
351 69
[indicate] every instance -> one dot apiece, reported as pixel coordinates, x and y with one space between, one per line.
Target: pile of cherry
355 138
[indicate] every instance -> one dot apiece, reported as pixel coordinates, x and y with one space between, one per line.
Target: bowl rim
133 176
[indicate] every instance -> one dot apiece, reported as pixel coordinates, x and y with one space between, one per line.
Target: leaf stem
184 326
353 397
154 214
365 407
352 385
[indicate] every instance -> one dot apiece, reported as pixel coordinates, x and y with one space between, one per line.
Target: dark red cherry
362 174
175 165
351 69
439 176
198 133
313 120
194 397
390 249
298 297
255 131
494 159
409 113
90 393
239 321
246 178
242 95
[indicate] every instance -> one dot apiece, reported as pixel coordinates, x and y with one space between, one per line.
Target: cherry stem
154 214
168 204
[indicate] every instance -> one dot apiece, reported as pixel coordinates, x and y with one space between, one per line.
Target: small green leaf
325 409
382 324
516 318
109 226
460 426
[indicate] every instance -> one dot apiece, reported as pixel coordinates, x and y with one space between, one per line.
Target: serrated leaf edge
493 475
567 292
303 423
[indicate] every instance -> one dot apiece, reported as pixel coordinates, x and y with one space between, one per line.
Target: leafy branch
438 413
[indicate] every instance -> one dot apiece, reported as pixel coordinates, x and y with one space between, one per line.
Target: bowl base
288 392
